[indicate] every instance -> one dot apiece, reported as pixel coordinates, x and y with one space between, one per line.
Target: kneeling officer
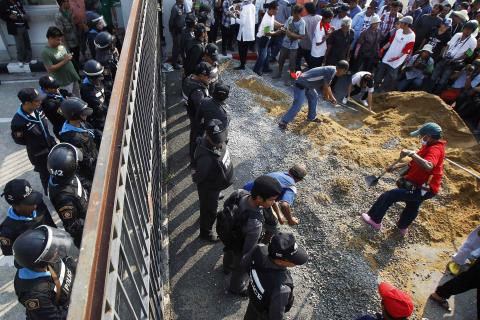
65 190
271 284
44 282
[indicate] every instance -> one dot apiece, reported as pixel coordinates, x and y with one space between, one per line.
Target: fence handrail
88 289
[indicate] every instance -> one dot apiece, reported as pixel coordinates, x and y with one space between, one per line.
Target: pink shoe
403 232
367 219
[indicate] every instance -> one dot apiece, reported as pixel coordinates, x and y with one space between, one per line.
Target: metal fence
122 271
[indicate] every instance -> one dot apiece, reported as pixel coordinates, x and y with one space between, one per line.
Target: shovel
373 180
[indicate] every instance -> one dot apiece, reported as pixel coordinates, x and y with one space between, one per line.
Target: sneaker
239 68
316 120
365 103
403 232
282 125
33 61
368 220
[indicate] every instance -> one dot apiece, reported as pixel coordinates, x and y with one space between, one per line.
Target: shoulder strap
58 294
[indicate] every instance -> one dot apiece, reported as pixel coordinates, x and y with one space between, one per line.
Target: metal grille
123 262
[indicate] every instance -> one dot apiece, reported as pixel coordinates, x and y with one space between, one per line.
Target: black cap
266 187
204 68
48 82
283 246
216 131
211 50
220 91
19 191
29 95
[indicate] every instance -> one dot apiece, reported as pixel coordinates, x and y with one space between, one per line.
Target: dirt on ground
379 140
372 143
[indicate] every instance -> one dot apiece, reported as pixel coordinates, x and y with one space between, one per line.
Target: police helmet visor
57 246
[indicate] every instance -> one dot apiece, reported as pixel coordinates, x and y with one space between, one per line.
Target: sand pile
378 141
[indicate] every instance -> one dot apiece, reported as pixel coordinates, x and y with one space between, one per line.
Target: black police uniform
70 200
193 56
214 173
51 108
186 42
94 95
210 108
270 289
108 57
38 293
193 92
14 225
84 138
31 130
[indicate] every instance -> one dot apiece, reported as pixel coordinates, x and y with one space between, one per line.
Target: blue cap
428 129
447 22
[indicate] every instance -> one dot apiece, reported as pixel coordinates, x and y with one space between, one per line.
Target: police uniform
214 173
16 224
193 56
31 130
70 200
51 107
84 138
209 109
46 295
270 290
94 95
108 57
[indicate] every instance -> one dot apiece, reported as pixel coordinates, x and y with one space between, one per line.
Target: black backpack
231 220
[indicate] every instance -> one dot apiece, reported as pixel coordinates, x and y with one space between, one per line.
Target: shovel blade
371 181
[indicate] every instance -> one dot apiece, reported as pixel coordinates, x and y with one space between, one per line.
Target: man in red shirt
421 182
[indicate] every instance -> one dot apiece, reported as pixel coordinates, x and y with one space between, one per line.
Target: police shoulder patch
66 212
5 241
18 134
32 304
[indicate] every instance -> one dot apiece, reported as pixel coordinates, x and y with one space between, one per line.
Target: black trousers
253 314
356 90
227 37
192 138
208 207
40 166
302 53
465 281
243 50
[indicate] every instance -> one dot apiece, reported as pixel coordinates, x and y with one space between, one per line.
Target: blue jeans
299 96
262 56
385 76
412 199
409 84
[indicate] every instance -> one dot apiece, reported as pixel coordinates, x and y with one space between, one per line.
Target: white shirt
336 23
319 36
399 42
357 79
267 21
457 47
246 22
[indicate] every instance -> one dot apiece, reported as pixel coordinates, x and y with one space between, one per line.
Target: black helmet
215 130
472 25
48 82
39 247
63 161
190 20
220 91
103 40
73 108
93 68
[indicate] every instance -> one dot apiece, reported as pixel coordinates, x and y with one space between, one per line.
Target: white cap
428 48
346 21
375 19
407 19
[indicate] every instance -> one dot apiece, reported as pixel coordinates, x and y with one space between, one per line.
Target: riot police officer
65 190
92 92
188 34
107 54
194 89
214 173
44 282
214 107
27 211
30 128
195 51
271 284
51 103
82 135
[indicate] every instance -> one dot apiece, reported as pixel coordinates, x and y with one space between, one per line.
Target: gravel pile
337 282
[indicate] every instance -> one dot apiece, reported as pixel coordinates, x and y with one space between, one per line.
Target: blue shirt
353 12
289 190
316 78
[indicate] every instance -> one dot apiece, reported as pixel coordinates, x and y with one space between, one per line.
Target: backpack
231 220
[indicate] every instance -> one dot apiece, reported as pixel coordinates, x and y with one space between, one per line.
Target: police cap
19 191
220 91
216 132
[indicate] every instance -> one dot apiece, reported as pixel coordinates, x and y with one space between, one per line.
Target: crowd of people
379 46
60 123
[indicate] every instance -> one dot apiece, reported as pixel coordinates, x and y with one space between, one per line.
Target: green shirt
66 74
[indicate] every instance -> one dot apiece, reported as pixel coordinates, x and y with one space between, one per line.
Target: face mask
423 141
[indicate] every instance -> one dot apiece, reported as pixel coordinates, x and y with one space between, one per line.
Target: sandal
441 302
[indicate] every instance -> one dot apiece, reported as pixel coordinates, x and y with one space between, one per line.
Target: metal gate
122 271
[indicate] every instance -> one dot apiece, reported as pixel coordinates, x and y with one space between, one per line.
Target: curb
37 67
